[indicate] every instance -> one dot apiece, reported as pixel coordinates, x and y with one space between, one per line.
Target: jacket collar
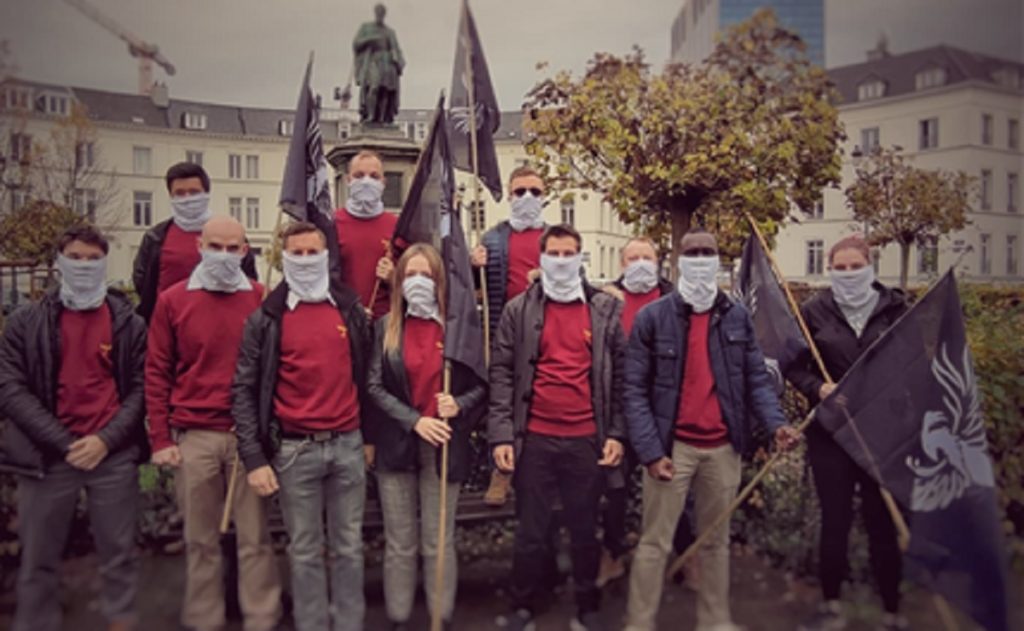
722 304
277 302
121 309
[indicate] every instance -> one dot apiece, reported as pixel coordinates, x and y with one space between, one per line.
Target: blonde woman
406 382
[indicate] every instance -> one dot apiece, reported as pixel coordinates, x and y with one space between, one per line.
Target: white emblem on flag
953 440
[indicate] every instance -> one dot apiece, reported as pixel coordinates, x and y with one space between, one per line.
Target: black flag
908 413
430 216
488 115
775 326
305 189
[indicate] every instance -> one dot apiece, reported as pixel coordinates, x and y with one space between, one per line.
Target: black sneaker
828 617
519 620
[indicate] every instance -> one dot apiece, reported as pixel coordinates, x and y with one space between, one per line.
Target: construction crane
145 52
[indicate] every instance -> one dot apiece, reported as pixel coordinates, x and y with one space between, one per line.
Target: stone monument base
398 152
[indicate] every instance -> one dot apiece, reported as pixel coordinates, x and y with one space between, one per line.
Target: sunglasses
519 192
700 252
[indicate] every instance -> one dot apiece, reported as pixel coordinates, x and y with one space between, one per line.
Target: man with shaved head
194 337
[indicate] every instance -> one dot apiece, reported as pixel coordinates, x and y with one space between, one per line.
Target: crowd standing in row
318 382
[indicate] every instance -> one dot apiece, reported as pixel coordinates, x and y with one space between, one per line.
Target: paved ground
763 599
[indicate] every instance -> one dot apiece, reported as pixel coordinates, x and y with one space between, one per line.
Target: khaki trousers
202 482
714 475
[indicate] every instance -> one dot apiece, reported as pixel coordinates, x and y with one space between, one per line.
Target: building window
56 104
928 257
285 127
986 254
85 203
869 139
194 157
142 158
252 213
252 167
569 211
19 99
19 197
235 207
1012 192
85 155
1007 77
1011 255
421 131
142 208
392 197
21 147
193 120
234 166
986 189
986 129
870 90
477 216
1013 133
344 130
815 257
929 133
930 78
818 210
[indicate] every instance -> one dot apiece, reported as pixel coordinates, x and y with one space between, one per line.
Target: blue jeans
318 478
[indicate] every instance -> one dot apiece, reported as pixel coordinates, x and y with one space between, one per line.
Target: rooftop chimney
881 49
160 95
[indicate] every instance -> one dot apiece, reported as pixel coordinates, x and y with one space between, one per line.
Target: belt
315 437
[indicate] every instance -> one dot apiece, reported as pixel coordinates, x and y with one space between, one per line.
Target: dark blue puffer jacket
655 364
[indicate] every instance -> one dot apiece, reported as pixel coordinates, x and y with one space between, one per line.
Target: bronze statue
378 64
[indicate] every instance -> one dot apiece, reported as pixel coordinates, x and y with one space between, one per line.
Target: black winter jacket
391 429
255 382
146 268
29 367
496 242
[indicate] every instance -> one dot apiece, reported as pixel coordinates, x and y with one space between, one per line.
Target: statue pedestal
398 153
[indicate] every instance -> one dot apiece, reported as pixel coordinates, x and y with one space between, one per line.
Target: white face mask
421 297
364 197
526 212
191 211
307 276
852 288
697 281
219 271
82 283
640 276
560 276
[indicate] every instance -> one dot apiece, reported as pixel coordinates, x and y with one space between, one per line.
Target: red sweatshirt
423 354
362 242
192 348
178 256
699 419
523 256
562 404
86 393
635 302
315 387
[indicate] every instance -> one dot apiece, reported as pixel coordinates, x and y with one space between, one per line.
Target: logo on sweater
105 351
588 336
343 331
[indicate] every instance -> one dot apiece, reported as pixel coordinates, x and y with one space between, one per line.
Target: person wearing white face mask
71 389
508 253
695 382
193 342
405 382
364 233
556 419
297 401
168 252
844 320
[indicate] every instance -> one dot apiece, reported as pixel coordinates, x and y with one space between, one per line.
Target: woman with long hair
417 417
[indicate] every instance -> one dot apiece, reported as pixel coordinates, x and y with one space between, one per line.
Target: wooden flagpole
436 620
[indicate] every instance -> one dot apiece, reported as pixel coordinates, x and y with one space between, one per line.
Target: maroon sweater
633 304
423 354
315 387
362 242
192 348
178 256
86 393
523 257
562 404
699 419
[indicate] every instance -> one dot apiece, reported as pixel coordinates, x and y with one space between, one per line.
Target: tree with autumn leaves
753 129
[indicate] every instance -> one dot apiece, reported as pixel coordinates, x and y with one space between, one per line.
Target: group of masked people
318 383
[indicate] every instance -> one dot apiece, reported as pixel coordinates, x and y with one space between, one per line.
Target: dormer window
1007 77
53 104
871 89
193 120
19 99
285 127
930 78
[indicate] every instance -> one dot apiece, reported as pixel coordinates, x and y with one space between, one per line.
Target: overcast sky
252 52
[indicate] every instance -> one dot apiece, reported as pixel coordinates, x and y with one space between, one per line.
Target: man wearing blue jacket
695 384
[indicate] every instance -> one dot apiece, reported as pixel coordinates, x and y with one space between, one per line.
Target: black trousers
549 469
836 478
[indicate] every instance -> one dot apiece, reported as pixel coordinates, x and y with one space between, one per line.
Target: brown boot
611 568
497 492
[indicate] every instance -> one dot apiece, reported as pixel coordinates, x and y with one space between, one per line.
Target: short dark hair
86 234
185 170
524 170
296 228
561 230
